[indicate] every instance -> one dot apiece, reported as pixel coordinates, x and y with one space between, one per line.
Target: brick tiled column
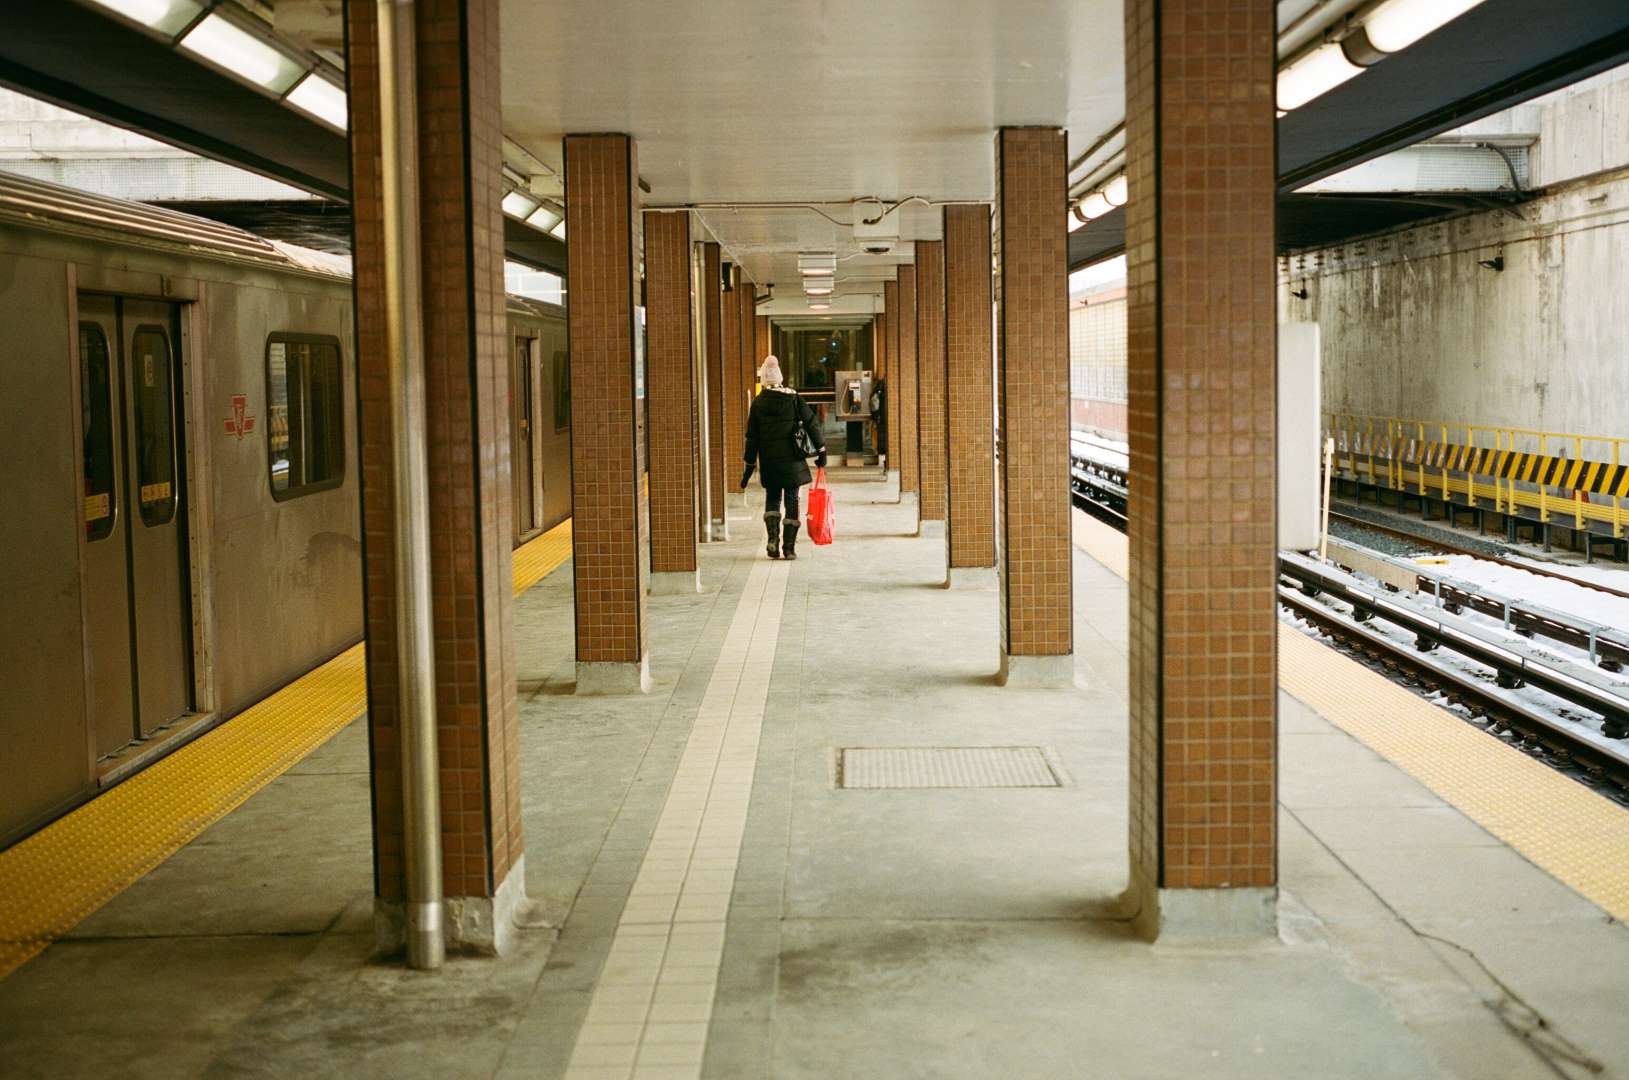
930 384
749 356
718 459
890 404
1202 328
969 393
466 376
905 382
734 417
763 347
608 530
670 382
1032 289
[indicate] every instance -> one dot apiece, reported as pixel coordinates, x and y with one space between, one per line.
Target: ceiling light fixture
517 205
1396 24
1313 75
168 17
817 286
1117 191
238 52
319 98
543 218
817 263
822 303
559 231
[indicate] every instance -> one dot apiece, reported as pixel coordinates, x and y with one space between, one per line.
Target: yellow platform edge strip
1572 833
57 877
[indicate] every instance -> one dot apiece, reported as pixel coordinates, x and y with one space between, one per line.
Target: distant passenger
778 420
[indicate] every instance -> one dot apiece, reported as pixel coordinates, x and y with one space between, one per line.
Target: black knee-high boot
789 539
772 526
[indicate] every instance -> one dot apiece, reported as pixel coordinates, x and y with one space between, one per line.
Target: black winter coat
771 443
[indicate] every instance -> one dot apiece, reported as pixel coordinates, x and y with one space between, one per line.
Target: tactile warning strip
1574 834
61 874
653 1000
945 767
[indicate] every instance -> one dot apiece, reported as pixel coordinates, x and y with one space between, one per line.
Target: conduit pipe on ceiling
410 530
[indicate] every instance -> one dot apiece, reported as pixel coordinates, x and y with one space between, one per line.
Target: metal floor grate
945 767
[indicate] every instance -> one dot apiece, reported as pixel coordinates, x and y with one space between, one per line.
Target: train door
520 422
137 607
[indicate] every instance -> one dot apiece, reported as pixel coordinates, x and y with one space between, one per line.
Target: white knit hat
769 372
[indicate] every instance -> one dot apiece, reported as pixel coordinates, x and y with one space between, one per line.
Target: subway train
181 527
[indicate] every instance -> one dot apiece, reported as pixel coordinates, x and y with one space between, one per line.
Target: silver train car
181 480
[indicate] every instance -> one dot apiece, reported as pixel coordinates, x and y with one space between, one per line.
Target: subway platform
722 888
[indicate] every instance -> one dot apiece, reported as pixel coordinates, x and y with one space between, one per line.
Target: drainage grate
945 767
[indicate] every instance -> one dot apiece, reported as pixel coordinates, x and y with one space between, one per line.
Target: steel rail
1443 545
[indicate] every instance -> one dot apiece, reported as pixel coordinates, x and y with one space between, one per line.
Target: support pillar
749 359
761 325
890 403
969 429
905 334
718 461
1202 325
1032 291
466 444
609 529
932 462
670 380
734 426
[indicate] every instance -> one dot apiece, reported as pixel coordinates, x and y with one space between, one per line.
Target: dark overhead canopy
91 63
1498 54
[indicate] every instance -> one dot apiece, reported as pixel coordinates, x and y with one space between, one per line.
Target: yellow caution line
57 877
1574 834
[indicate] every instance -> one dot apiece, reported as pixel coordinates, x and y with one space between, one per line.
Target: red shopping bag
821 517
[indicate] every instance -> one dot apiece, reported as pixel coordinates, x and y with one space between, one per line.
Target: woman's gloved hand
820 460
746 474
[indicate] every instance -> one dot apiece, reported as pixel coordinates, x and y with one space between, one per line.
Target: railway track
1562 743
1452 549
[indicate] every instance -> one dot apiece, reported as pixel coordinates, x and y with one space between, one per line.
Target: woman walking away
775 430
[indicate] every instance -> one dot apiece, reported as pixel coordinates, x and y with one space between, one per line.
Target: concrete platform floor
862 933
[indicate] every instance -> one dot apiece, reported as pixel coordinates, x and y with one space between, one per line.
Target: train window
562 390
155 424
305 403
96 421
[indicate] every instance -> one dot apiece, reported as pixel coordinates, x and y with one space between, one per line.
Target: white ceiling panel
743 101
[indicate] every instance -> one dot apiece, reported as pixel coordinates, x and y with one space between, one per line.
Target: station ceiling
739 102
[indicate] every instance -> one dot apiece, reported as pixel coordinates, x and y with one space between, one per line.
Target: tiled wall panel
1033 340
1201 349
969 379
608 522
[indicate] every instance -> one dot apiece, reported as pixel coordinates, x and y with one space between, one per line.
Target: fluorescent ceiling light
240 53
1095 205
1397 24
543 218
559 231
1075 220
168 17
818 287
320 98
821 304
517 205
1313 74
1117 191
817 263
